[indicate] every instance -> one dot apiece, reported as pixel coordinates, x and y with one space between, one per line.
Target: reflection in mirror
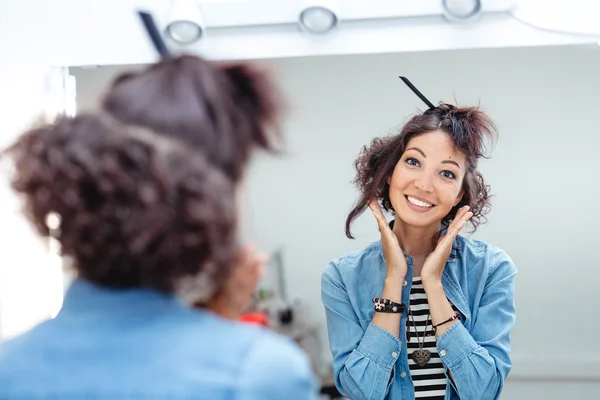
300 202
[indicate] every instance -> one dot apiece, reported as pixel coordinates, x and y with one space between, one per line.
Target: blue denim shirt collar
84 295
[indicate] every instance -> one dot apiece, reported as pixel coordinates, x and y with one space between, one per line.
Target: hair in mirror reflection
472 132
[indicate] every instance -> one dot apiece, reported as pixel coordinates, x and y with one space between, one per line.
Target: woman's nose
424 183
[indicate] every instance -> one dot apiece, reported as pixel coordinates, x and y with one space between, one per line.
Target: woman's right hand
236 297
394 257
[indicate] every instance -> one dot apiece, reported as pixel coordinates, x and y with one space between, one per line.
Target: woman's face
427 181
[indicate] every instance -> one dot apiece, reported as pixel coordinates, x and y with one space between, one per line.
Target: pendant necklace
420 356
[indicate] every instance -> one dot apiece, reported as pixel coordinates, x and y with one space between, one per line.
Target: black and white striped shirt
430 381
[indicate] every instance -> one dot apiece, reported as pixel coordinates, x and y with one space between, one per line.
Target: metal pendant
421 357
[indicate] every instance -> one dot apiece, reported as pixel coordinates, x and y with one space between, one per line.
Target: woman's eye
448 174
412 161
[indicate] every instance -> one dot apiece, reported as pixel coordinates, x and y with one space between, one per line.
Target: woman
424 312
147 191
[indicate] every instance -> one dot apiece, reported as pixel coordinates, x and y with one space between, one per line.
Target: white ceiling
89 32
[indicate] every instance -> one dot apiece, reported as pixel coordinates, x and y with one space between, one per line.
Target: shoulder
275 368
275 351
261 350
356 261
482 255
354 279
21 356
19 346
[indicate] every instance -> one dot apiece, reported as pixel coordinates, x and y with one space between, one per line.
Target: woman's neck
418 242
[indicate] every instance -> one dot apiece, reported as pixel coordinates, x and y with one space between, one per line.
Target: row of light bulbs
186 24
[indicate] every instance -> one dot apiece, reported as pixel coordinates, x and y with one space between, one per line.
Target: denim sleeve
275 369
363 360
479 361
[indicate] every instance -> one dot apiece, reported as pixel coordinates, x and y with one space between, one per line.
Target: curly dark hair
471 131
145 188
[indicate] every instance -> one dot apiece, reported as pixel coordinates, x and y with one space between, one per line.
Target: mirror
541 174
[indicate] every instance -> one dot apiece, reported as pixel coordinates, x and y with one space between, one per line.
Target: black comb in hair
417 92
152 30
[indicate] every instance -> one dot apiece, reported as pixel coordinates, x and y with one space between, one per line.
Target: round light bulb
184 32
462 9
318 19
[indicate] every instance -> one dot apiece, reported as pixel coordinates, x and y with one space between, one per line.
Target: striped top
430 381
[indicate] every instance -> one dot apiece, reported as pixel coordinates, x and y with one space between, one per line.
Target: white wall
25 263
543 175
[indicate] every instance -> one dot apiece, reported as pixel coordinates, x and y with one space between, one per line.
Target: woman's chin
418 220
416 223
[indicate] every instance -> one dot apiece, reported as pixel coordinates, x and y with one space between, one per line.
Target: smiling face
427 180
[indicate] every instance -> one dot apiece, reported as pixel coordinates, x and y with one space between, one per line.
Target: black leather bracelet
388 306
452 318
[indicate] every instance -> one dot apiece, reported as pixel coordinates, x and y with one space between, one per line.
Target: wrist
431 283
394 283
395 277
392 289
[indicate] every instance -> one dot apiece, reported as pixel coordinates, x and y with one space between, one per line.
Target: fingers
257 265
245 277
378 213
236 297
462 217
244 252
251 264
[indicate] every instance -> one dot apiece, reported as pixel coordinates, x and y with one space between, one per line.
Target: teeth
418 202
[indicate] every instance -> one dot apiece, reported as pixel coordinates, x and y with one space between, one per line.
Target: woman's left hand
436 261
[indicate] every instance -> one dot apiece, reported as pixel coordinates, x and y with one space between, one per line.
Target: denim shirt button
443 353
404 283
403 374
394 354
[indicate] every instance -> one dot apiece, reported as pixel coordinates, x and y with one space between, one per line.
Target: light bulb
318 19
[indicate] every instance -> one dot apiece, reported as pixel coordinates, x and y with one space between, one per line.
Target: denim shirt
370 363
141 344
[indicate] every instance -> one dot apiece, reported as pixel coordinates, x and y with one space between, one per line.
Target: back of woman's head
145 188
225 111
471 131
